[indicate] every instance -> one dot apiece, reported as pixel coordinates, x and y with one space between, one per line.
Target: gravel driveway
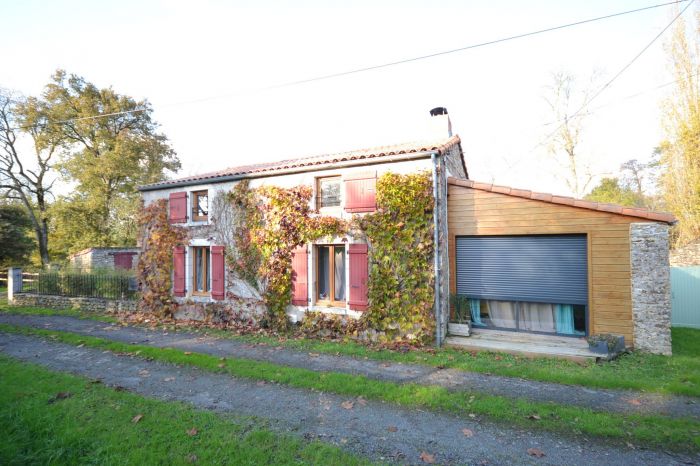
367 428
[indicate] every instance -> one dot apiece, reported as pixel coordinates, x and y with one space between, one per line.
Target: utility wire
383 65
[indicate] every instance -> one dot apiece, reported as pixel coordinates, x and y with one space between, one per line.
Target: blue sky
175 52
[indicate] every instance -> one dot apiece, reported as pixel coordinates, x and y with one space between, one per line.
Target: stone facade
99 258
686 256
65 302
651 287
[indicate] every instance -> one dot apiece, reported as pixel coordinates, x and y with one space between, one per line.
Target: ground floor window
330 275
563 319
201 284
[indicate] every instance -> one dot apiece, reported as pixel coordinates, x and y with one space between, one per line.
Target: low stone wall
651 287
66 302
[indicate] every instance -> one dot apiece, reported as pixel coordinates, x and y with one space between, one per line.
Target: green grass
678 374
657 431
94 426
42 311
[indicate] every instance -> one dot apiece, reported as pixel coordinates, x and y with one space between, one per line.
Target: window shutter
178 207
217 273
360 192
359 272
123 260
179 271
300 283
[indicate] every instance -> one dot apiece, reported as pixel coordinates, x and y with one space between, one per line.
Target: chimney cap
438 111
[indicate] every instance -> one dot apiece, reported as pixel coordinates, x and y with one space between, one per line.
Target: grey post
14 283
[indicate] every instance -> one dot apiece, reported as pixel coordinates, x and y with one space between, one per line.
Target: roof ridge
566 200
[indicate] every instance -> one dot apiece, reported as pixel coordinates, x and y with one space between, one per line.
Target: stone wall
66 302
651 287
686 256
99 258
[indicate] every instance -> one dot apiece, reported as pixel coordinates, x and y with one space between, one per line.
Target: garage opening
529 283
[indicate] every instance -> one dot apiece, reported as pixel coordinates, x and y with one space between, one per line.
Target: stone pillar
14 283
651 287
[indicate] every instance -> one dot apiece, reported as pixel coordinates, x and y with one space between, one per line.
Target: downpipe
436 250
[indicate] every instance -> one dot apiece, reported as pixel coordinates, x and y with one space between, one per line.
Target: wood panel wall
476 212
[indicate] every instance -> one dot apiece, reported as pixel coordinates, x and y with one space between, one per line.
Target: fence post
14 283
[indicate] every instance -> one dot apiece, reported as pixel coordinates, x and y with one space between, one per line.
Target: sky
202 64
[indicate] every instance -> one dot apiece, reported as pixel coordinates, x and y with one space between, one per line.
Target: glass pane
339 265
537 317
501 314
198 269
330 192
207 281
202 204
323 269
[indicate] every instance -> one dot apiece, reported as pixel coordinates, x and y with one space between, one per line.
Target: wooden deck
524 344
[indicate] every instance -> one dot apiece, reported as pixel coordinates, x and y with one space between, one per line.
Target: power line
384 65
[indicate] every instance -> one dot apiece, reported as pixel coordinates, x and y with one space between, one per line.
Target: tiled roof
564 200
317 162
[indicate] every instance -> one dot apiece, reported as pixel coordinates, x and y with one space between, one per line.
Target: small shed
104 258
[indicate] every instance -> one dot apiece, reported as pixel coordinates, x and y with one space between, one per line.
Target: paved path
454 379
364 429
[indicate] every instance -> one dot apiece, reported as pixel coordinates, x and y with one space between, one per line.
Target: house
104 258
531 264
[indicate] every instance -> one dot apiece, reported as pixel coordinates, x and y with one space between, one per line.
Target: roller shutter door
547 268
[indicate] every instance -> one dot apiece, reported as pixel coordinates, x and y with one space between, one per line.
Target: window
201 258
328 192
562 319
200 206
330 275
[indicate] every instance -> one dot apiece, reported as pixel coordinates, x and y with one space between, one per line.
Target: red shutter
179 271
360 192
178 207
217 272
359 272
123 260
300 281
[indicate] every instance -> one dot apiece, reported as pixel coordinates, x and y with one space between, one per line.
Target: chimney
441 126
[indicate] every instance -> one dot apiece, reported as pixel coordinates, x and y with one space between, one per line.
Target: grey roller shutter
547 269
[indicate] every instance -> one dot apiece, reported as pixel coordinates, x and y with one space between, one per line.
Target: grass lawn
678 374
94 425
657 431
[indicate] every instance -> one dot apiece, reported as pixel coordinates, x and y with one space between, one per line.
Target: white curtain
501 313
537 317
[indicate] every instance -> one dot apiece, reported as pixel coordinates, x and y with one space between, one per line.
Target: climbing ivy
400 243
158 238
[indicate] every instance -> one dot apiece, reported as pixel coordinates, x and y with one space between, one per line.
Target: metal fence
81 284
685 296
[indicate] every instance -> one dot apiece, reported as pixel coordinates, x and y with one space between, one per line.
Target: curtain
537 317
339 279
565 318
199 269
475 310
502 313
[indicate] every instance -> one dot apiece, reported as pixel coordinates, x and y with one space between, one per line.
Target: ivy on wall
158 238
400 243
273 222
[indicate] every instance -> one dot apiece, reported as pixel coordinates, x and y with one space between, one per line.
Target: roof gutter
291 171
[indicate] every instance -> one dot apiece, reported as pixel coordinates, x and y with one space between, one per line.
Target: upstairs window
328 192
200 206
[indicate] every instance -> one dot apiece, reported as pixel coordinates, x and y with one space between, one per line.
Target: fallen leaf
535 452
60 396
392 428
347 404
468 432
192 432
261 383
534 417
472 415
314 355
168 379
187 353
427 457
629 445
343 441
80 345
634 402
361 401
144 373
137 418
221 365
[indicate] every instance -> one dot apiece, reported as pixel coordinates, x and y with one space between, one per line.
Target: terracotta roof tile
564 200
440 146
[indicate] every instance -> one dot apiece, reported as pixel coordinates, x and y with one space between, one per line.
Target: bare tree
26 178
564 142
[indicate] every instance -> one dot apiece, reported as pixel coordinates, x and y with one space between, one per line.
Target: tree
107 157
680 150
611 191
22 177
567 104
15 241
